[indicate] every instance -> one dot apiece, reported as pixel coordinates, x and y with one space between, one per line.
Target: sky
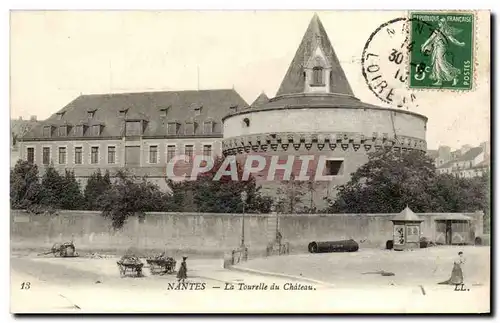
57 55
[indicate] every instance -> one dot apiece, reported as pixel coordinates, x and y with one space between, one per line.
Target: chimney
20 118
33 118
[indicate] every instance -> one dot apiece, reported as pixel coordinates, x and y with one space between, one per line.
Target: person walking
182 273
457 274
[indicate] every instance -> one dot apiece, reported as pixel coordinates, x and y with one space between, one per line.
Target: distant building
466 162
19 128
138 131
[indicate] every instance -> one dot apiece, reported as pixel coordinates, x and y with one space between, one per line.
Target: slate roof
470 154
315 36
145 106
261 99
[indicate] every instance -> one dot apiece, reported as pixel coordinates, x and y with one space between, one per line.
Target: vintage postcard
250 162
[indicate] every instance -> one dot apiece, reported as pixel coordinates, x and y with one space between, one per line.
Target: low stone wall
206 233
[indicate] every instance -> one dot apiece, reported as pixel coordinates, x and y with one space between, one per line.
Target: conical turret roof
406 215
315 36
261 99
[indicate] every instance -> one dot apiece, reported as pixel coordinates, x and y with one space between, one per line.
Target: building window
163 112
62 155
333 167
317 76
188 151
153 154
78 155
94 155
31 155
172 128
90 114
208 127
96 130
47 131
207 150
190 128
123 113
133 128
111 154
63 131
46 155
79 130
170 152
246 122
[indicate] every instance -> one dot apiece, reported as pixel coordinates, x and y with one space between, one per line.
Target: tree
291 194
70 195
391 180
61 192
204 194
129 196
25 189
52 186
96 186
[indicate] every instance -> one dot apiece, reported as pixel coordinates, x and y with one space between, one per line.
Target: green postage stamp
441 55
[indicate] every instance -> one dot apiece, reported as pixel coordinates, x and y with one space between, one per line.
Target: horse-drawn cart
161 264
130 265
66 249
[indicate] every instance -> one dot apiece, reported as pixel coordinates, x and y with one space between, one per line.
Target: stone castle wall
206 233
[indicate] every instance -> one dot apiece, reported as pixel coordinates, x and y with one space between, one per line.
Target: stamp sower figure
182 273
442 70
457 275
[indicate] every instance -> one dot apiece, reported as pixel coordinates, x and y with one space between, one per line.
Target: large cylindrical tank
333 246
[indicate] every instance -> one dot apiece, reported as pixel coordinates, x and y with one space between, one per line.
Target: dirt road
84 285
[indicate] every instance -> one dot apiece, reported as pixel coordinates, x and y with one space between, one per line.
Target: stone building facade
315 112
465 163
136 131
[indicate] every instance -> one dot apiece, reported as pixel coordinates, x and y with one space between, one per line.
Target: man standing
182 273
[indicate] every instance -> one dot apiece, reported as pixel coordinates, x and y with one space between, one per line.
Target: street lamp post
243 248
244 201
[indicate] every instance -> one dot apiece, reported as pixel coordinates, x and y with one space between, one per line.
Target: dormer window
133 128
233 108
197 110
172 128
123 113
47 131
164 111
190 128
60 115
318 78
90 114
208 127
96 130
80 130
63 131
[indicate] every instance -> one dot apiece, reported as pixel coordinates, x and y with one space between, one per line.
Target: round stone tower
316 113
